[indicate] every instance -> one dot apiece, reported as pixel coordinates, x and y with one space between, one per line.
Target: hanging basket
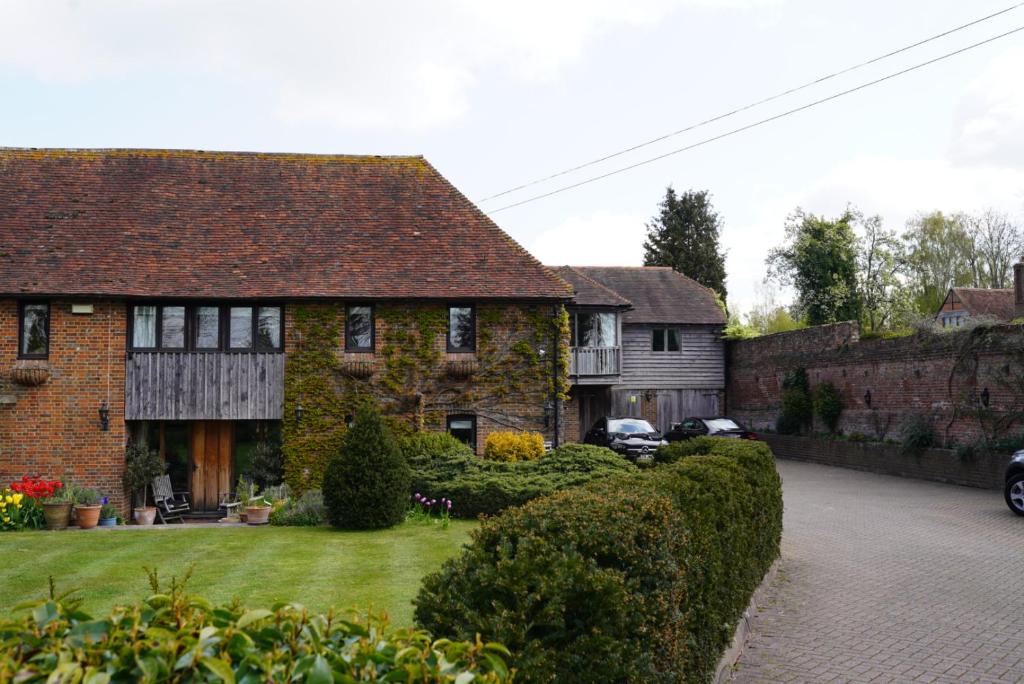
462 368
30 373
357 368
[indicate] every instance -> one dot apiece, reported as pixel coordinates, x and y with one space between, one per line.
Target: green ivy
410 383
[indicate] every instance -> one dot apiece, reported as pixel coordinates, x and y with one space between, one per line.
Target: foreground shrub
478 486
639 577
307 510
513 447
366 485
918 434
173 637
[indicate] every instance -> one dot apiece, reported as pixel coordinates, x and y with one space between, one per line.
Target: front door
212 449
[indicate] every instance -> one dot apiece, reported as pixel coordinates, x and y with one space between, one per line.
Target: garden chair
170 505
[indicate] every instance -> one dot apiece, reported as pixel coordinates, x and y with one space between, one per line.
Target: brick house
645 342
962 303
200 302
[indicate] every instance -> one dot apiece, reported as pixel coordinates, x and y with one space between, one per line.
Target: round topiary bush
366 484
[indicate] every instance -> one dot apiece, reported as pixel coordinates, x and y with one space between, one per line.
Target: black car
1014 489
634 438
713 427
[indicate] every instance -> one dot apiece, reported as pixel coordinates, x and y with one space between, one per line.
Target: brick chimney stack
1018 289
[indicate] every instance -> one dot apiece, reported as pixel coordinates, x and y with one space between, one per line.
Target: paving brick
887 579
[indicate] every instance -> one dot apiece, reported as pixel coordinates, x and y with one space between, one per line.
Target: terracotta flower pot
257 515
87 516
57 515
145 515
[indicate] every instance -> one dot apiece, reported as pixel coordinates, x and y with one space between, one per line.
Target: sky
498 94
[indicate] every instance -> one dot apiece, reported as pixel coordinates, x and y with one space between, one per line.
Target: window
144 327
463 428
665 340
594 329
207 331
268 328
172 327
240 327
205 327
34 330
630 426
359 329
461 329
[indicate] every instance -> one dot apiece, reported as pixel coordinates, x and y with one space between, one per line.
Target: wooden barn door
212 449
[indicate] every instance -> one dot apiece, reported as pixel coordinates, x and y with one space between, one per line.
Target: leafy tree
366 485
881 264
768 316
684 235
819 259
996 243
939 256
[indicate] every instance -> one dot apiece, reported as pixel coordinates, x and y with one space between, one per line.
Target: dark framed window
463 428
665 340
461 328
205 327
594 329
359 335
33 330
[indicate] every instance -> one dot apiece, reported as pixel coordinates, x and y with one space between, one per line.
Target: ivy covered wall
413 379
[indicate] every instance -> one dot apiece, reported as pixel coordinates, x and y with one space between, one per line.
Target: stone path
885 579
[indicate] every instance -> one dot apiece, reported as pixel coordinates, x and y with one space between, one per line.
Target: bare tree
997 243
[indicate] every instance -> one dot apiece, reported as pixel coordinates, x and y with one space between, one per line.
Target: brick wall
938 465
940 376
53 429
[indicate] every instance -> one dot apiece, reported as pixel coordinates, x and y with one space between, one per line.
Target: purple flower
433 501
106 500
449 505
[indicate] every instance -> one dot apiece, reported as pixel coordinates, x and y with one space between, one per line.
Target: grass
317 567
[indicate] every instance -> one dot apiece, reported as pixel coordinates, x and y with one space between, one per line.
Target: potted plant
57 507
108 514
88 503
255 508
141 466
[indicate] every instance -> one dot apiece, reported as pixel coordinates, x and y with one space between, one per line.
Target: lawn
318 567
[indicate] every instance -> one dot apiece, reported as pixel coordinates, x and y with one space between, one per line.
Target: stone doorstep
724 671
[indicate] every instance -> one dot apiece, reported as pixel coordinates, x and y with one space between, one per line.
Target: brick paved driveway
890 580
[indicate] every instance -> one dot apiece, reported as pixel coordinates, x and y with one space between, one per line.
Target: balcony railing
594 361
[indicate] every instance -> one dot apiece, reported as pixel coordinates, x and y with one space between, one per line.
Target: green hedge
173 637
639 577
478 486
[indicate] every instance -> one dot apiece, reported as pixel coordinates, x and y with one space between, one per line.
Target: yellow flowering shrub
512 447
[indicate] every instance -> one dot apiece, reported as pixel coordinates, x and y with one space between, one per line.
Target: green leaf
252 616
219 668
320 673
93 676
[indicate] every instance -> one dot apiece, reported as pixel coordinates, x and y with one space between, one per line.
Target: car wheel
1015 493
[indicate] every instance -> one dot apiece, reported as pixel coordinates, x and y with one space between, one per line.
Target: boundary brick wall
938 465
941 376
54 429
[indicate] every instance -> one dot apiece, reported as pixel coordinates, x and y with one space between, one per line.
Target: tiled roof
589 292
658 294
985 302
170 223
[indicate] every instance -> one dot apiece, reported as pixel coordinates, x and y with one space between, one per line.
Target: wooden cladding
204 386
594 361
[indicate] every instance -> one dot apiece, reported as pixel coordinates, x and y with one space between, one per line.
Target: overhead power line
761 122
746 107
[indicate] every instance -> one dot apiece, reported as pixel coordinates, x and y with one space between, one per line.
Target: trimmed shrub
175 637
639 577
512 447
366 485
480 487
918 434
828 405
307 510
267 465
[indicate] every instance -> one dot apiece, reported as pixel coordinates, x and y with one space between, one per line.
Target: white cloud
988 125
601 239
374 64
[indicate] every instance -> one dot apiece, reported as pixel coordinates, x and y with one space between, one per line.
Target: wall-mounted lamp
104 417
298 413
867 398
985 397
549 410
542 352
349 420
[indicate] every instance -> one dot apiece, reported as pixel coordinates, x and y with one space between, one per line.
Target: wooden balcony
204 386
594 364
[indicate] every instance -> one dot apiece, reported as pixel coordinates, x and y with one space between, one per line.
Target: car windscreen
630 426
720 424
